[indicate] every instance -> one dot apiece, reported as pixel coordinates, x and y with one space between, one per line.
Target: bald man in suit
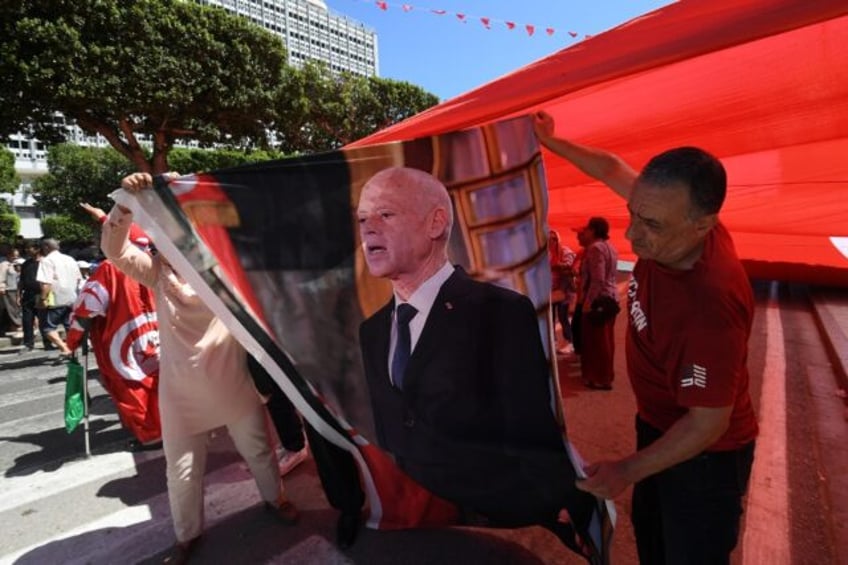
459 382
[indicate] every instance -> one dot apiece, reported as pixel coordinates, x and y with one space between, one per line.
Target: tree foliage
79 174
318 110
10 225
9 179
69 231
167 69
202 160
88 174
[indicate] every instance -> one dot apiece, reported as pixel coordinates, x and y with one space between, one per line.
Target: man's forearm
597 163
116 229
692 434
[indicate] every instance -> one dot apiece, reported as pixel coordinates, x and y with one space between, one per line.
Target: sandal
180 552
285 513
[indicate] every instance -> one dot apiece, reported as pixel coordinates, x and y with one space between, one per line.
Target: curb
834 332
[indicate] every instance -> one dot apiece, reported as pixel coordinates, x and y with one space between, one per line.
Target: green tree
10 224
389 102
307 110
69 231
318 110
9 179
79 174
88 174
202 160
167 69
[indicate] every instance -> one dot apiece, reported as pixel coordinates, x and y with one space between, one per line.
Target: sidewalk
12 339
830 311
12 342
830 308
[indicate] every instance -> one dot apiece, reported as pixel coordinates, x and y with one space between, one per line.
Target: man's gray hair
50 244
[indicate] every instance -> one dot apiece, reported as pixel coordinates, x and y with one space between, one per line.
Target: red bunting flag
486 21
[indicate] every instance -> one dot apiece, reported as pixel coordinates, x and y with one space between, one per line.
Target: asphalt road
57 506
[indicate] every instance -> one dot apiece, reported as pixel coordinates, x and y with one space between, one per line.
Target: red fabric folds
762 84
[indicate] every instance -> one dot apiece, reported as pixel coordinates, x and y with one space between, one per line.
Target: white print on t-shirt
637 315
694 375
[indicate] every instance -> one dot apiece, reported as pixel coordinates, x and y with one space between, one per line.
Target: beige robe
203 378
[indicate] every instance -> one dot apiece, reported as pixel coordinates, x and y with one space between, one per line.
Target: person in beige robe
203 384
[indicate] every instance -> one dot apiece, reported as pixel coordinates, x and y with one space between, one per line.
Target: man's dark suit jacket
474 422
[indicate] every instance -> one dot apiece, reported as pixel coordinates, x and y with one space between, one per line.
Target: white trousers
186 464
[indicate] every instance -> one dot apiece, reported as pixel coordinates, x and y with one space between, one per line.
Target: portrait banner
274 250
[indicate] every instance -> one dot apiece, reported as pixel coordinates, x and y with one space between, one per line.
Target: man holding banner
204 383
690 314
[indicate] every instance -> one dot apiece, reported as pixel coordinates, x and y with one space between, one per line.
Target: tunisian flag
760 84
125 338
273 249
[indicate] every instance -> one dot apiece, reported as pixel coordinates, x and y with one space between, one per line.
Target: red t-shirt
687 340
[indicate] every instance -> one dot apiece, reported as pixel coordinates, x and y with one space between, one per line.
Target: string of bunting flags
485 21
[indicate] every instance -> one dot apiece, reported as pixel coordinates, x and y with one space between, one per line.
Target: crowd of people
38 291
438 342
585 283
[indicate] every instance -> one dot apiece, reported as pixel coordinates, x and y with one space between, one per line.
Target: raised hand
544 124
137 182
93 211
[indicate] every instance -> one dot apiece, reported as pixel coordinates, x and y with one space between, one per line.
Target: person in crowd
576 328
59 277
599 305
119 315
4 265
561 259
203 384
85 273
456 369
29 290
9 300
690 310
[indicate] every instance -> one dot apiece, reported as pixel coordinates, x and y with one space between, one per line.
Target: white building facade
310 31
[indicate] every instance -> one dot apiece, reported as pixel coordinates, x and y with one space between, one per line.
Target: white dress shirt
422 300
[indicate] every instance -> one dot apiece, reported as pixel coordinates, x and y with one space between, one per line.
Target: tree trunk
161 147
129 148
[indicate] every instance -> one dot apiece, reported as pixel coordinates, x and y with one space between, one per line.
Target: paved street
56 506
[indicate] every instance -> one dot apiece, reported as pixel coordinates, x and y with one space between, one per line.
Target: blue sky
448 57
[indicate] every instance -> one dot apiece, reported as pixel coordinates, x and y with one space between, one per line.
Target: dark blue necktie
403 347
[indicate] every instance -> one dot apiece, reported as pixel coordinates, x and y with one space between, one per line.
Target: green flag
74 407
